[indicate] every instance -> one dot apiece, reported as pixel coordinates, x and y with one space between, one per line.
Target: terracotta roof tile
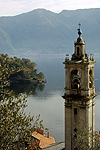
44 140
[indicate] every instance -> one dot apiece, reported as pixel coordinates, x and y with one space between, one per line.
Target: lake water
49 102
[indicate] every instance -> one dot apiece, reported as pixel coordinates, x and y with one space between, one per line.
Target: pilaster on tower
79 91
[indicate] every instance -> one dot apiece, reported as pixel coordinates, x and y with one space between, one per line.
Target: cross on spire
79 25
79 31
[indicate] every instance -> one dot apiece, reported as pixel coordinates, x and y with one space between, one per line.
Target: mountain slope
5 43
42 31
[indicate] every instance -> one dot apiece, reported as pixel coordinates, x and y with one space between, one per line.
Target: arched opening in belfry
75 79
90 78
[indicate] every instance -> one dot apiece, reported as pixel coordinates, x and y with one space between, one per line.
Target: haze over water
49 102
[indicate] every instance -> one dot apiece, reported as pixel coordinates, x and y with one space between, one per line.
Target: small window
75 130
75 111
76 148
75 136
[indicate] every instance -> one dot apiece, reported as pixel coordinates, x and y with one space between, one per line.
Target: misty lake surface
49 102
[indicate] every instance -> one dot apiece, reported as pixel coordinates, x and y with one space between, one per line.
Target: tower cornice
79 93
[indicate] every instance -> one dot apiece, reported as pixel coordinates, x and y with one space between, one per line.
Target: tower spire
79 95
79 31
79 25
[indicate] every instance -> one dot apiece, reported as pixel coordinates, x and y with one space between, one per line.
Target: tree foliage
85 139
15 125
27 69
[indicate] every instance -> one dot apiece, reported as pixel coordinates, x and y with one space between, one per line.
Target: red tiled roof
98 133
43 139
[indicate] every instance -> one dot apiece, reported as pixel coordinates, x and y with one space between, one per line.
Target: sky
15 7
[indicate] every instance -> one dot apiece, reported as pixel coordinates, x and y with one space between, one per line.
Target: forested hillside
25 69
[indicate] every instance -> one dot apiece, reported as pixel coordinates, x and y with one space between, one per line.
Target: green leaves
14 123
84 139
18 69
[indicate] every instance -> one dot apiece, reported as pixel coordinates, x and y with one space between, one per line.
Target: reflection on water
26 88
51 109
48 101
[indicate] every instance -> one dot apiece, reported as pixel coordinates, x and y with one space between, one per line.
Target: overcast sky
15 7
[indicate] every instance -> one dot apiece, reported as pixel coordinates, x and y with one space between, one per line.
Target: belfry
79 92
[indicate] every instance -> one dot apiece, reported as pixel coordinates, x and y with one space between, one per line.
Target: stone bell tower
79 92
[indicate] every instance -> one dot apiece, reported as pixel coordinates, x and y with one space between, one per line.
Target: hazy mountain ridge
42 31
5 43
